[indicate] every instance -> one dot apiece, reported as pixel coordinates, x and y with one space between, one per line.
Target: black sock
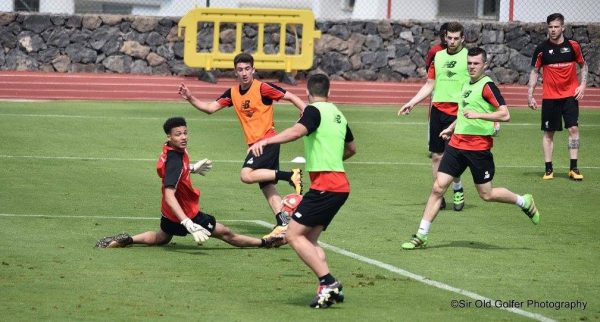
573 164
282 219
283 175
549 167
326 279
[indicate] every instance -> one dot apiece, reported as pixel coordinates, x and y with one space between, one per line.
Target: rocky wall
350 50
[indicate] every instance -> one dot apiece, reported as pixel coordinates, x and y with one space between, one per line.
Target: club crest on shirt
565 50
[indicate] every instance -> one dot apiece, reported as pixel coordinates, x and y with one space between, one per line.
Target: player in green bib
480 105
445 77
328 141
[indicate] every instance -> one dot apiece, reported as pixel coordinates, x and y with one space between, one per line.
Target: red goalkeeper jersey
173 166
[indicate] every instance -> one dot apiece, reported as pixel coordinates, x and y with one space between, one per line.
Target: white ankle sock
424 227
520 201
457 185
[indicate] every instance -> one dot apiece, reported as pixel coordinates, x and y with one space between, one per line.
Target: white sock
520 201
424 227
457 185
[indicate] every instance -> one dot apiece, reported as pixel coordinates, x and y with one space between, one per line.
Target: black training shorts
318 208
438 122
455 161
554 109
269 159
174 228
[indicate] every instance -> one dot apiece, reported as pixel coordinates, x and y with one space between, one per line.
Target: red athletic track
86 86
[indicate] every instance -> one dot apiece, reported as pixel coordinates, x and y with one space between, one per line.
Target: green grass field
73 172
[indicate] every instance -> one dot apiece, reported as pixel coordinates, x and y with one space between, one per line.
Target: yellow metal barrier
240 17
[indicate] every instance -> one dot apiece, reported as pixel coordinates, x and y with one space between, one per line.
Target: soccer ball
290 203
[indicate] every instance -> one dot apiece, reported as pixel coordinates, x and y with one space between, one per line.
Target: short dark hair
556 16
455 27
172 123
243 58
443 31
475 51
318 85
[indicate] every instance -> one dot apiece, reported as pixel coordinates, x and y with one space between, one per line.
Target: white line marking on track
343 252
79 158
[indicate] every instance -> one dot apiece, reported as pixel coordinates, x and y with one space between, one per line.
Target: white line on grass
79 158
216 119
343 252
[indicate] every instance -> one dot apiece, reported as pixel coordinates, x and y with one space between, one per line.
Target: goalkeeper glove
198 232
201 167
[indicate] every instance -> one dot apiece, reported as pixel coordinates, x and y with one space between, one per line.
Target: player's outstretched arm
294 99
290 134
423 93
205 107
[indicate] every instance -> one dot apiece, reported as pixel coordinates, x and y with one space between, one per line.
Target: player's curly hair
173 122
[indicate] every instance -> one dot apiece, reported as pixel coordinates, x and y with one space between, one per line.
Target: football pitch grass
73 172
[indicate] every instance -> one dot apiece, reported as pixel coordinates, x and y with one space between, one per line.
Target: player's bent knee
246 178
485 196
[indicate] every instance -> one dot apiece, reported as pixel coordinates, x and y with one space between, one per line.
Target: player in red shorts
559 57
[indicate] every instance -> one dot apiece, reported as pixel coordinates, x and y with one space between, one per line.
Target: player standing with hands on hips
558 57
328 141
470 145
253 104
180 204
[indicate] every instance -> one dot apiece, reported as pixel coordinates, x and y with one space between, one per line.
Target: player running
470 146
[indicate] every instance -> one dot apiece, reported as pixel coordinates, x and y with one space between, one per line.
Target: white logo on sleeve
297 215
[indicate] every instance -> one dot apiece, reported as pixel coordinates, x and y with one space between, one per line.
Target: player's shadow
303 299
475 245
202 250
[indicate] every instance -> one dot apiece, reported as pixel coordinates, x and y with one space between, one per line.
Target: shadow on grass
475 245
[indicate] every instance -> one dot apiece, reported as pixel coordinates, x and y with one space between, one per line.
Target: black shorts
268 160
174 228
554 109
438 121
455 161
318 208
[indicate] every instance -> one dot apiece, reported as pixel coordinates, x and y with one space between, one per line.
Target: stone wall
355 50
